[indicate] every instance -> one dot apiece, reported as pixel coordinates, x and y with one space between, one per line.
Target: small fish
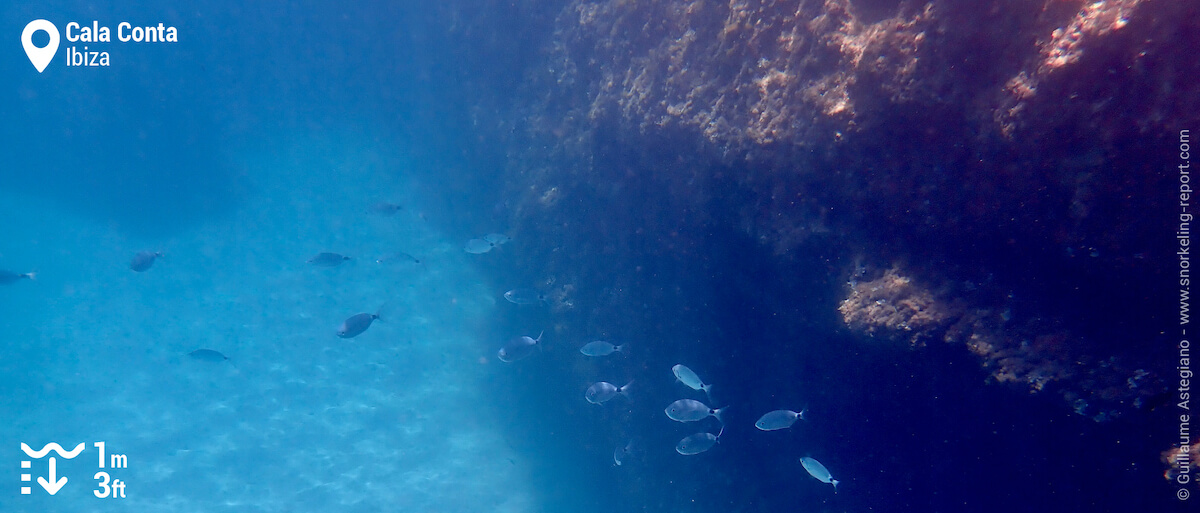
9 277
622 454
328 259
601 392
519 348
689 378
397 257
691 410
818 471
478 246
143 261
600 348
497 239
208 355
384 208
356 324
778 419
524 296
698 443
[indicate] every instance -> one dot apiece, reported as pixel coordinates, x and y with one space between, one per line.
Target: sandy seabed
298 419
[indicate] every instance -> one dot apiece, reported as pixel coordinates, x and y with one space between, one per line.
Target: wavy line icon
52 446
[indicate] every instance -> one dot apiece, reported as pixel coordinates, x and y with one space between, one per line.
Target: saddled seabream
144 260
600 348
208 355
328 259
818 471
698 443
478 246
497 238
602 391
689 378
519 347
524 296
778 419
623 453
356 324
9 277
691 410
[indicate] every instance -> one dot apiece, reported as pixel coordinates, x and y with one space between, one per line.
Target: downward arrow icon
52 486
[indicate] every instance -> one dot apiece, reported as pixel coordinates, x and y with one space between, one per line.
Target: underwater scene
597 256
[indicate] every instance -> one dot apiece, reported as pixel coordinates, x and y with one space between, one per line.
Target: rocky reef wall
990 174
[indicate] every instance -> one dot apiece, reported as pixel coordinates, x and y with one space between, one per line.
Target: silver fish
818 471
478 246
600 348
691 410
519 348
497 238
143 261
602 391
328 259
622 454
208 355
689 378
778 419
698 443
356 324
384 208
524 296
9 277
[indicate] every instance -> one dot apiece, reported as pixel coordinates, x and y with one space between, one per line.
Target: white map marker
40 57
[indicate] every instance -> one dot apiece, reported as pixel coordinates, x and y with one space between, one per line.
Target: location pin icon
40 57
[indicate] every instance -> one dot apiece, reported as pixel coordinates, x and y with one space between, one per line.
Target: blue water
261 139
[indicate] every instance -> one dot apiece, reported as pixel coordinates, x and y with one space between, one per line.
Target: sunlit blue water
262 138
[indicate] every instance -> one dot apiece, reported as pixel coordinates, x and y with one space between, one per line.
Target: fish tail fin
719 413
539 339
834 482
620 348
625 389
378 315
802 412
721 432
707 391
32 276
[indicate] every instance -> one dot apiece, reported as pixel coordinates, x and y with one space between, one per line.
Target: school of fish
520 347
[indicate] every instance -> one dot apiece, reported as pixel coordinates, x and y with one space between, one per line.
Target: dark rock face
1006 166
998 121
1016 145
